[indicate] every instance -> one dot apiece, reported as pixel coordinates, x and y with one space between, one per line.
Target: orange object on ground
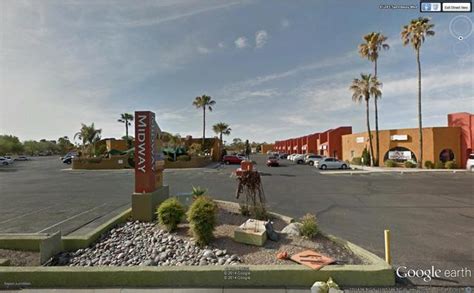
282 255
312 259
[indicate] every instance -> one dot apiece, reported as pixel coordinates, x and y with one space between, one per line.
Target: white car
313 158
290 157
330 163
5 161
298 158
470 163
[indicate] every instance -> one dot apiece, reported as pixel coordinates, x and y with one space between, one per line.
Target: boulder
292 229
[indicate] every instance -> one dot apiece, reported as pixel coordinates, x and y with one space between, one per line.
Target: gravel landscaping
147 244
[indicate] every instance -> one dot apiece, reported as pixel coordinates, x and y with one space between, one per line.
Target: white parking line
70 218
24 215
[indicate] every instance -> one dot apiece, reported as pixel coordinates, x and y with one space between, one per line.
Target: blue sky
277 69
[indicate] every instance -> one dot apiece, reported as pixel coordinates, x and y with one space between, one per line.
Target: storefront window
446 155
400 154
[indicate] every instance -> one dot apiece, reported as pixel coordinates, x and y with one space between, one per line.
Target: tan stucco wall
435 139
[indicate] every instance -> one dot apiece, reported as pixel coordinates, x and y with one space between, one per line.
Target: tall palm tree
415 33
125 118
373 44
221 128
89 135
363 89
204 102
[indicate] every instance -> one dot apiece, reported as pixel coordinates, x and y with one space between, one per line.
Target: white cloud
241 42
203 50
221 45
261 38
285 23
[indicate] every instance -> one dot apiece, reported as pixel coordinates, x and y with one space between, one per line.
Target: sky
276 69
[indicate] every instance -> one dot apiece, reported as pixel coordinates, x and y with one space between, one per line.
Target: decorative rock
292 229
135 243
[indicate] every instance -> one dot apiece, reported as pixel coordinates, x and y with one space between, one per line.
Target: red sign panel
146 154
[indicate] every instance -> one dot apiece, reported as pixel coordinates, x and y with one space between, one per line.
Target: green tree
221 128
415 33
125 118
64 144
10 144
373 44
362 90
88 135
204 102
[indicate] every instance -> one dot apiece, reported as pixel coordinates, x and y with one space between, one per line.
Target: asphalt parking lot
430 215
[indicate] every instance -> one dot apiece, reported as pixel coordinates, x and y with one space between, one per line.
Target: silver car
313 158
330 163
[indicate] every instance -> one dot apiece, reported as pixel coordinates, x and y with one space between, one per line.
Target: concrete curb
70 243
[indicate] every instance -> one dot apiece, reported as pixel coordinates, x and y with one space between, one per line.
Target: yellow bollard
388 257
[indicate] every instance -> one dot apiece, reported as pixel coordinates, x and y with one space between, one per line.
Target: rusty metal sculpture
250 184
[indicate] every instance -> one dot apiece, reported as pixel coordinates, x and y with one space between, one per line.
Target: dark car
232 159
283 156
67 159
272 162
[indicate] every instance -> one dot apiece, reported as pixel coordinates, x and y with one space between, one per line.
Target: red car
272 162
232 159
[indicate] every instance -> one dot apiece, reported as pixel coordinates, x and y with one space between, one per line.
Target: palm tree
89 136
221 128
415 33
362 89
373 44
204 102
125 118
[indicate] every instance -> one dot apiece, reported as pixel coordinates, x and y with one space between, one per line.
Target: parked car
232 159
272 162
67 159
470 163
313 158
330 163
6 161
298 158
22 158
283 156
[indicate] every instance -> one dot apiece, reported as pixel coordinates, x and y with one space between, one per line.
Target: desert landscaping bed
148 244
20 258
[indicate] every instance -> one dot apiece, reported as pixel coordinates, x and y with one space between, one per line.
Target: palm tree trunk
420 124
221 138
377 142
126 133
368 132
203 126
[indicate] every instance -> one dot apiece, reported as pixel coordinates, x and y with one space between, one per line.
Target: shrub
357 161
439 165
390 163
309 227
184 158
429 165
202 219
365 157
170 212
198 191
409 164
244 210
451 165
